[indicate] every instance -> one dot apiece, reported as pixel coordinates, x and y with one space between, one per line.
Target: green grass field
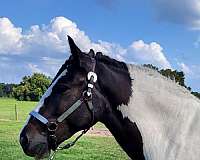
88 148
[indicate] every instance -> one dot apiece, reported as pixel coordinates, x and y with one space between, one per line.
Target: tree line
6 90
31 88
177 76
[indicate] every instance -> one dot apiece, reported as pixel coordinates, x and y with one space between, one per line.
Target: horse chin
41 152
42 156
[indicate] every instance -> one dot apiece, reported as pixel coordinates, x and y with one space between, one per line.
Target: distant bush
32 87
6 90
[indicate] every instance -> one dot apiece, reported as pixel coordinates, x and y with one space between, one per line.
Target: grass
7 108
88 148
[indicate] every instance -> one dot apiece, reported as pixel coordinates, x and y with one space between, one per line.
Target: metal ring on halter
92 74
52 126
87 95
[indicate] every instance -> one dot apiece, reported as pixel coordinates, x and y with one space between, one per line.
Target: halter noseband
53 125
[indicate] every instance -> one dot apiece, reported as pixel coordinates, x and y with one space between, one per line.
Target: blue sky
165 33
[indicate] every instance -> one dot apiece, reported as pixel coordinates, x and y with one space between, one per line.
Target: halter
53 125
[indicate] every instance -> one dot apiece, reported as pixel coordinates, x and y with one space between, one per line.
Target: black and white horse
150 116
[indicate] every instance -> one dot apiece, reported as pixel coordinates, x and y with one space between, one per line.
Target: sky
33 34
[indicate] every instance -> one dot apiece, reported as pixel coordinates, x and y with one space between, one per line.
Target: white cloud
185 12
34 68
149 53
191 71
196 71
192 74
10 37
185 68
44 48
53 37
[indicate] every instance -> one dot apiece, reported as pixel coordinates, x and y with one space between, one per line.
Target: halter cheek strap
69 111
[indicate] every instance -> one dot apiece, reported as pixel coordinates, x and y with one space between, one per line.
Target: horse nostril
24 141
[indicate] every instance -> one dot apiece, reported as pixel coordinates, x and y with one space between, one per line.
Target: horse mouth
41 151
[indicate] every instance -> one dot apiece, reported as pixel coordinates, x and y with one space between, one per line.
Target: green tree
196 94
2 89
177 76
32 87
6 90
151 66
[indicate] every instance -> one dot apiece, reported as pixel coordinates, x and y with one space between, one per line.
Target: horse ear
73 47
91 53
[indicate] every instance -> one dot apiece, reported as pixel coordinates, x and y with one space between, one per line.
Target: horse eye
61 88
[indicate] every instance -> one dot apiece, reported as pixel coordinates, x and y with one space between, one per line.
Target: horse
150 116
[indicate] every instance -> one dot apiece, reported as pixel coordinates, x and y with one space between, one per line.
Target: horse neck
163 111
157 98
116 86
126 133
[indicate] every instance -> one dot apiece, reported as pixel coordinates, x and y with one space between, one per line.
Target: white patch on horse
46 94
167 115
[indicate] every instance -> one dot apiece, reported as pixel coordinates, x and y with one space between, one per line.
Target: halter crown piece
53 125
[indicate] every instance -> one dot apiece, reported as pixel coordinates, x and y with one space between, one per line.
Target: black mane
110 61
114 79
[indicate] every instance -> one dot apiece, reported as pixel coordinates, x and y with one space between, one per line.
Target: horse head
88 88
67 105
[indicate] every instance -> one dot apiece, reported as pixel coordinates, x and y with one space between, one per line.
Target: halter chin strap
52 125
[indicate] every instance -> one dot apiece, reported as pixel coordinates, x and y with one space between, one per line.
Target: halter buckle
90 75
